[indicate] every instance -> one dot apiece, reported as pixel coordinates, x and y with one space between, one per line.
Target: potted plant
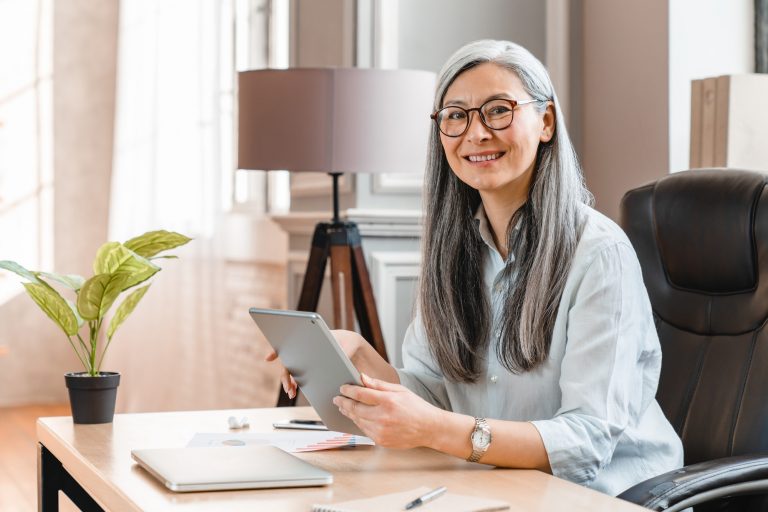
118 268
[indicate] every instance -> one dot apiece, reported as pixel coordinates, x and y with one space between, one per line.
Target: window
26 128
261 41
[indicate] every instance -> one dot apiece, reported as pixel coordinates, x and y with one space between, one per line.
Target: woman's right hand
350 343
286 379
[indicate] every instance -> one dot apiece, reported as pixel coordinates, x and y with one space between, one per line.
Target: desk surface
99 457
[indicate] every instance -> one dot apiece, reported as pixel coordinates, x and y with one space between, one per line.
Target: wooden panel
722 100
728 122
709 94
696 111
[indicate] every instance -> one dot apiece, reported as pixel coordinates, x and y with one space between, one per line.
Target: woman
533 345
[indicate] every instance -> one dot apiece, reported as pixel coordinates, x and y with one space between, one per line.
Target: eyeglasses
495 114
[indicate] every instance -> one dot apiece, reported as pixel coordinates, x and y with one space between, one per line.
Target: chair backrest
702 240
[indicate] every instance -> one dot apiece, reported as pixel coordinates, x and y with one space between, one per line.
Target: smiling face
497 163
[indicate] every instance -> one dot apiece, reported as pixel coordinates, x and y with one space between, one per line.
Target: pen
435 493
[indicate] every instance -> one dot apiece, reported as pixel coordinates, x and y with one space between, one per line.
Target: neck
499 214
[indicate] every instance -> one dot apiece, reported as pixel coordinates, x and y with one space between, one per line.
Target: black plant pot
92 399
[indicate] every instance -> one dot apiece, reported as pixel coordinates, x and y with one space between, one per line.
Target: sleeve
610 367
421 373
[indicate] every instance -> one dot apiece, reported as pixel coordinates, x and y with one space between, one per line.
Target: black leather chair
702 240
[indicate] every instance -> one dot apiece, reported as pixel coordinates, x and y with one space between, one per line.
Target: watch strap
478 451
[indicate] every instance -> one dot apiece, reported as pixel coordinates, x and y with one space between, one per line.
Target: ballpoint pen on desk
431 495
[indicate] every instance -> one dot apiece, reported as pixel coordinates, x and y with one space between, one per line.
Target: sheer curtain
180 349
173 116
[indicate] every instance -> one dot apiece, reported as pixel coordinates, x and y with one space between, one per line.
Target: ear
548 128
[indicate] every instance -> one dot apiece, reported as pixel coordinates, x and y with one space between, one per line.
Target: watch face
481 438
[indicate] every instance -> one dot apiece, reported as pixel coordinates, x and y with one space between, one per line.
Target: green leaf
125 309
54 306
164 257
18 269
71 281
99 293
153 242
73 307
113 258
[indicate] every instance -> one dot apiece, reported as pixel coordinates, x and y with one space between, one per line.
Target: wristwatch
481 439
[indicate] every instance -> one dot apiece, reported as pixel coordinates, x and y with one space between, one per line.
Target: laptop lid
229 467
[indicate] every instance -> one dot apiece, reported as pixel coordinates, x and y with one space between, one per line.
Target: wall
431 30
624 99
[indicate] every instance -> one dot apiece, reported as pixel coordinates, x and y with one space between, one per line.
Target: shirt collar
484 229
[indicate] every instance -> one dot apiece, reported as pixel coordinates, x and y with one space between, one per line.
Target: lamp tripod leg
342 285
365 303
351 283
315 273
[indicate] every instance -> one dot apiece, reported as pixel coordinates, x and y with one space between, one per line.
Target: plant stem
82 343
92 353
103 352
79 355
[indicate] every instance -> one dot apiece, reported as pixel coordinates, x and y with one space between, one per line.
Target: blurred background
119 117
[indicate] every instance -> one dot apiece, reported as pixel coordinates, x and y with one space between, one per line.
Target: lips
484 157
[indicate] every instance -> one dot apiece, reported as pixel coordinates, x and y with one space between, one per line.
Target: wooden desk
98 457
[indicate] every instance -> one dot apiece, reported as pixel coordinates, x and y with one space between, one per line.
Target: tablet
309 351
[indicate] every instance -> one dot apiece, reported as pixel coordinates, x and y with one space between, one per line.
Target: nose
477 131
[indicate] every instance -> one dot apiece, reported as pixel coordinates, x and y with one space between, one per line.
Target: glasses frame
479 111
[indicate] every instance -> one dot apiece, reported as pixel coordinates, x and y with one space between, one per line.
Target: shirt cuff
573 447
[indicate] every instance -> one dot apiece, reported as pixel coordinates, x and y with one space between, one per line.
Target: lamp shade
334 120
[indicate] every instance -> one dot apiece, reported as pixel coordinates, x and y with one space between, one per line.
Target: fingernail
291 395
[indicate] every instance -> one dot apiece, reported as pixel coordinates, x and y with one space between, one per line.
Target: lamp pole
335 175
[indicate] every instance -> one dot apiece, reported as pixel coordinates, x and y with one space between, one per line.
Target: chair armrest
705 481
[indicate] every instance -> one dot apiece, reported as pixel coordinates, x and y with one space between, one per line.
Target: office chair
702 240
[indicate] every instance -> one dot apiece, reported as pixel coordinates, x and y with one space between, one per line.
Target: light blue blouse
593 401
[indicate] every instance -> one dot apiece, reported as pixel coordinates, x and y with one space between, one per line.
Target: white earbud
238 423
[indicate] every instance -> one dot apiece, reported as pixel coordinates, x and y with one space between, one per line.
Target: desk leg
52 478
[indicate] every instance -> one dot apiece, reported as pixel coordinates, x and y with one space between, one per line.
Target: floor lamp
336 121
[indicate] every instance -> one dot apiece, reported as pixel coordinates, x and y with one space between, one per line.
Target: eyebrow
460 103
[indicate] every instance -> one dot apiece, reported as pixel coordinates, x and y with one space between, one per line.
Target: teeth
484 158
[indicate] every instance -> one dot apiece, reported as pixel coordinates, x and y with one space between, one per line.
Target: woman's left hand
390 414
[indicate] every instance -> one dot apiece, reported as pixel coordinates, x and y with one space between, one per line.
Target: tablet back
229 467
307 348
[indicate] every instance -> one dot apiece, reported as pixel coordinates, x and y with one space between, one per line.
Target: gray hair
454 306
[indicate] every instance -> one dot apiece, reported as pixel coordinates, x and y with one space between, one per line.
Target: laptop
221 468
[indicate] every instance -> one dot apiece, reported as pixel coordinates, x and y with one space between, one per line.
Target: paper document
294 441
449 502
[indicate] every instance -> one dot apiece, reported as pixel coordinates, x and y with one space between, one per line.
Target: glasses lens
452 121
498 113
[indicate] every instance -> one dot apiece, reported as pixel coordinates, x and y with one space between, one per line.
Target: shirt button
494 379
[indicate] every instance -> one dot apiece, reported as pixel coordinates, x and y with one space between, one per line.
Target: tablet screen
309 351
